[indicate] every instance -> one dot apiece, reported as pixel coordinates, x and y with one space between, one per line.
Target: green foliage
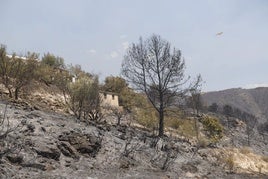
17 72
77 72
119 86
53 61
52 70
114 84
84 98
25 72
213 128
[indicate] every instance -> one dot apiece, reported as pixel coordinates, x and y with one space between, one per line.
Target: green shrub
213 128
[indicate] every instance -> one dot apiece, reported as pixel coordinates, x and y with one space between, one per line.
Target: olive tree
24 72
153 67
7 68
84 99
16 72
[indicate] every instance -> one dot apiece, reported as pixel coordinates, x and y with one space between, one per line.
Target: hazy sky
96 33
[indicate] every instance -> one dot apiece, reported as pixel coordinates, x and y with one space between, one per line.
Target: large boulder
84 143
47 151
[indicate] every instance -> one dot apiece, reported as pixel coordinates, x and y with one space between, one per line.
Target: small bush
213 128
203 142
230 162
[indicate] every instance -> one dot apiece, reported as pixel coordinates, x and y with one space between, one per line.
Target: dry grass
245 150
229 161
241 160
265 158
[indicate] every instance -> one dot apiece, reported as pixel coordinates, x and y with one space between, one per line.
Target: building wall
109 99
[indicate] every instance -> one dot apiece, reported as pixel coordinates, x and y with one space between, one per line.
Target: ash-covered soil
43 144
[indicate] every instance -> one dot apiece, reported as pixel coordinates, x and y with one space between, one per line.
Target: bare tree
228 112
118 112
152 66
8 142
251 123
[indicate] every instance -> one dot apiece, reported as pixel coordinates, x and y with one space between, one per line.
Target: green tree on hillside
17 72
50 68
53 61
114 84
119 86
84 99
24 72
6 68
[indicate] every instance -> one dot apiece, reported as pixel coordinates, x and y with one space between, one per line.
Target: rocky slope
52 145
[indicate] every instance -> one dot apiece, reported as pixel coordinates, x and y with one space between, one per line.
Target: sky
97 33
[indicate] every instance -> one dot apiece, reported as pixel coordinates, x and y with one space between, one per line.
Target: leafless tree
196 103
118 112
251 123
8 142
151 66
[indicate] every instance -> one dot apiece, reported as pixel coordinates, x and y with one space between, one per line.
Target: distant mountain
253 101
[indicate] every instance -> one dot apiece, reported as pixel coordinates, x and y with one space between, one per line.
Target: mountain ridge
253 101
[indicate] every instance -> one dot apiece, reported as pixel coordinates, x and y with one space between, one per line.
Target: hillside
253 101
52 145
40 138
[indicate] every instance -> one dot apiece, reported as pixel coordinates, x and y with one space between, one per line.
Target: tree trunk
161 124
10 93
118 121
196 129
248 139
16 93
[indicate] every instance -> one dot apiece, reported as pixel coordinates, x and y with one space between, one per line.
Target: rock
43 129
30 127
35 165
15 158
48 151
188 167
83 143
67 149
125 163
